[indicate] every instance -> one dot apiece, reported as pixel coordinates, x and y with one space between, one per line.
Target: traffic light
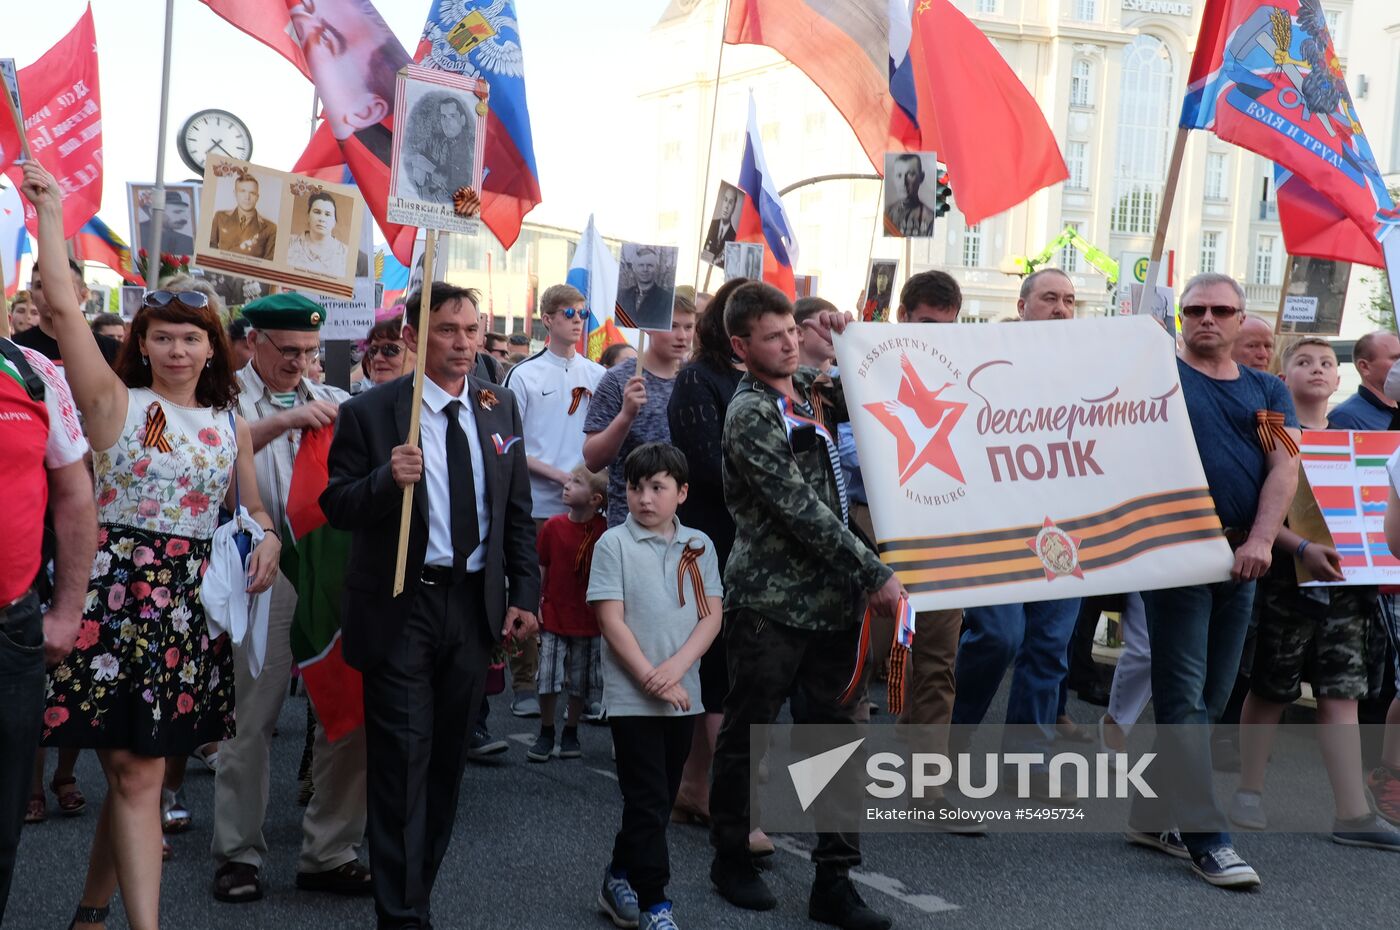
943 202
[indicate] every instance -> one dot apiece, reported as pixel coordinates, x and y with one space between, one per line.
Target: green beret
288 311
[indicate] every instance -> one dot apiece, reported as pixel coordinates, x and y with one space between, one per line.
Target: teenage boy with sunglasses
552 388
1246 432
279 401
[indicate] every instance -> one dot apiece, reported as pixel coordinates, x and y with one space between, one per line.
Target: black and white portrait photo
911 190
178 226
646 286
439 143
724 223
743 260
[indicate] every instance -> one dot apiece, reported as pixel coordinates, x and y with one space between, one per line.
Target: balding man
1036 635
1255 346
1369 408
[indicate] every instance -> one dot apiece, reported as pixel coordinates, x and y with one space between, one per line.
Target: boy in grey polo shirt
656 587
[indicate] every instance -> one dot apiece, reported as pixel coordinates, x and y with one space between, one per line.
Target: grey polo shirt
639 567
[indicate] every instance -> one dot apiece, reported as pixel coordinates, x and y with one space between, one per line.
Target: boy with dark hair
814 352
569 634
657 618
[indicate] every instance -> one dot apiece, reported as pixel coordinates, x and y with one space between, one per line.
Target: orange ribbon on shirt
690 567
583 557
579 394
1272 432
155 428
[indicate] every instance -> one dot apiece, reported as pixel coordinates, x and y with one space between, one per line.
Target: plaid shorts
575 662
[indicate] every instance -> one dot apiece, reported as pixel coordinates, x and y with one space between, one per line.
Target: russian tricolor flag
902 89
594 272
765 220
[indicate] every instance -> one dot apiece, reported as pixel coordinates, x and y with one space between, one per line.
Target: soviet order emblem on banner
1029 461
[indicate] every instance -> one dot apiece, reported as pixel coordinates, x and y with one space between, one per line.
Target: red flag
63 116
978 116
1266 77
268 22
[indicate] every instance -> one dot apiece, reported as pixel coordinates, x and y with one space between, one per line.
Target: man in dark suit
722 226
472 577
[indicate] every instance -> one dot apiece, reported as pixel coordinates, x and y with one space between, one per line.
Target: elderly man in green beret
280 401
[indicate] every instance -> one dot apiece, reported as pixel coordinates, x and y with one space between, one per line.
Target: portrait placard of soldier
132 296
724 223
911 189
743 260
435 175
1322 286
646 286
805 285
879 290
279 228
178 226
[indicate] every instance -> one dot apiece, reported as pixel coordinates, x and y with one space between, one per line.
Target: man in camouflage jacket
796 586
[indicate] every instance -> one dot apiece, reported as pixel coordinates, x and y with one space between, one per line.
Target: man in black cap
177 233
279 401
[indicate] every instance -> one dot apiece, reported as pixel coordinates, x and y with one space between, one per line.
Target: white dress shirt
433 439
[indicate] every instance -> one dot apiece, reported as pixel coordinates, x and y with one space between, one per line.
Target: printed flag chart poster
1348 475
1031 462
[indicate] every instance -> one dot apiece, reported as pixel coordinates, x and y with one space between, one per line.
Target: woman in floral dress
146 680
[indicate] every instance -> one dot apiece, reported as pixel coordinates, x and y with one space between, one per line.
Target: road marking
891 887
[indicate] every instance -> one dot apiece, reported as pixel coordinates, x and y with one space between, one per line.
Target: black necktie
461 492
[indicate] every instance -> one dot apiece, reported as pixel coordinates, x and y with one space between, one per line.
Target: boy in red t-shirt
570 640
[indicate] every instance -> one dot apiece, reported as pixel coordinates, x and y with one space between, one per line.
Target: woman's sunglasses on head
194 300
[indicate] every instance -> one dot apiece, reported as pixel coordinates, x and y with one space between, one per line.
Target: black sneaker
569 747
483 744
1168 841
739 883
1224 868
839 904
543 747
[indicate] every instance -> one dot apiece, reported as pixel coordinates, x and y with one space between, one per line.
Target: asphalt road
532 840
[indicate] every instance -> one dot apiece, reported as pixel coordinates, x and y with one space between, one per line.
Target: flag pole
158 194
415 412
1164 216
710 146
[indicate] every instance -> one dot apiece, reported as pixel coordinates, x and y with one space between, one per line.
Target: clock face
213 132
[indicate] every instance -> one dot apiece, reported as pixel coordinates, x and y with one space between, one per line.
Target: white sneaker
1247 810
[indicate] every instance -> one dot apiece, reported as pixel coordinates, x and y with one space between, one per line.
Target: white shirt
544 386
65 444
433 439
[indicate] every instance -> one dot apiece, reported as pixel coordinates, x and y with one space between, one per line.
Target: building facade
1110 76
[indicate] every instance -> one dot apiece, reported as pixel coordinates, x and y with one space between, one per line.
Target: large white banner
1018 462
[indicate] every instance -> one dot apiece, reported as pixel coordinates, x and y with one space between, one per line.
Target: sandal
89 915
174 816
208 754
237 883
37 810
352 878
71 802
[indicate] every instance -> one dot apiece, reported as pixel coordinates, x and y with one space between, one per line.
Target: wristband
1302 546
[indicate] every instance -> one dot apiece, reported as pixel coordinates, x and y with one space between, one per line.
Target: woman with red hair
147 679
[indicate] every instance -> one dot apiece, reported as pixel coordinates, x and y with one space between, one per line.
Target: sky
580 97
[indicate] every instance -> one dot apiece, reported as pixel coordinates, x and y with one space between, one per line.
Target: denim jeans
21 715
1196 635
1036 636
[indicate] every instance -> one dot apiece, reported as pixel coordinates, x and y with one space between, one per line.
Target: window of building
1145 125
670 151
1086 10
1264 261
1216 163
972 247
1077 161
1210 252
1080 77
814 124
1069 255
988 6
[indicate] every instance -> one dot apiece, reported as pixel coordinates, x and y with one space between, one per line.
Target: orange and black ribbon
583 558
579 394
155 428
900 645
690 566
1272 432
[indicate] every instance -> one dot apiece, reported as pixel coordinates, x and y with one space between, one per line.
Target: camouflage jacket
793 561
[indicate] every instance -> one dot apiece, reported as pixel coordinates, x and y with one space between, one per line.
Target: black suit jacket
714 243
363 498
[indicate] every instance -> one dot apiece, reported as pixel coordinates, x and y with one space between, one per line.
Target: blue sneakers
658 917
619 901
1224 868
1168 842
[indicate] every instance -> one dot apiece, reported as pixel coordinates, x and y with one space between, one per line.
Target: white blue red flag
13 237
764 219
481 38
901 68
1266 77
594 272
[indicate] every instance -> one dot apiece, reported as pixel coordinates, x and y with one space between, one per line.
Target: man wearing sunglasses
279 401
1246 432
552 389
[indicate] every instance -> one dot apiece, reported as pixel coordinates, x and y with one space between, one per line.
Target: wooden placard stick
8 74
415 412
1164 216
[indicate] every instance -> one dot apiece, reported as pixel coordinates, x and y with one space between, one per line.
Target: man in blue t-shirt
1369 409
1246 432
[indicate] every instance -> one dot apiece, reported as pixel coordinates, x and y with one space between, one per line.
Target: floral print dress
145 675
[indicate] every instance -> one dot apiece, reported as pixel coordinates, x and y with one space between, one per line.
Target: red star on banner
1057 550
921 424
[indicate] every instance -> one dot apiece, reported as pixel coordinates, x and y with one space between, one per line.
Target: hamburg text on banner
1029 462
